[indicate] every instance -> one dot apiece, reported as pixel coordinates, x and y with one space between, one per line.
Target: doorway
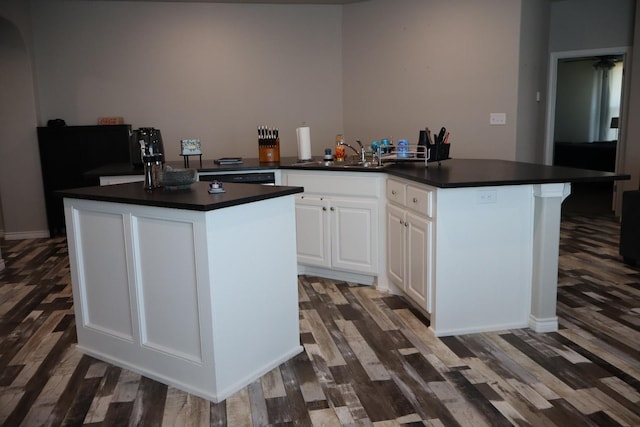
584 116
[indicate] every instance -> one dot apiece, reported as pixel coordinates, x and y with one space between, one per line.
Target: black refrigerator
67 152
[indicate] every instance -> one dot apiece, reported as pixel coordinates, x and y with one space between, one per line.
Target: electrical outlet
487 196
498 118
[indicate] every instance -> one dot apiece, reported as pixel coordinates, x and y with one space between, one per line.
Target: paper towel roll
304 143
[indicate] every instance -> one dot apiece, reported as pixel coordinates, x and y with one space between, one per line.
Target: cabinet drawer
420 200
357 184
396 191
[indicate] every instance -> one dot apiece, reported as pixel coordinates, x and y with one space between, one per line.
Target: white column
546 247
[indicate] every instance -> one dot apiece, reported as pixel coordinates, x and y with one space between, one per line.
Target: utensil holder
439 152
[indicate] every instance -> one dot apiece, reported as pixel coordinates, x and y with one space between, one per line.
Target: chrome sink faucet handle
377 156
349 146
363 153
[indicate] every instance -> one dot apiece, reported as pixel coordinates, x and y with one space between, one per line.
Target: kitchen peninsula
473 242
196 290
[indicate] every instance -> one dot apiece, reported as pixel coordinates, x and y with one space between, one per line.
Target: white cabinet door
395 244
354 238
418 267
312 231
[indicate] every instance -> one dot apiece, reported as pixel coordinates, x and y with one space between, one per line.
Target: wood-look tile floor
369 358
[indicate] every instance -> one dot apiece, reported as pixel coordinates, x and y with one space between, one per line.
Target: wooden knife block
271 153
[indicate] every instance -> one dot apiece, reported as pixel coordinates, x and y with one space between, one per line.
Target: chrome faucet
362 153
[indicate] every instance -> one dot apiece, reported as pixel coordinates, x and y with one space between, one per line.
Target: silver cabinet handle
415 200
332 209
324 209
393 192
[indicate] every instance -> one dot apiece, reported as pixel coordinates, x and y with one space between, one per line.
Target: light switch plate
498 118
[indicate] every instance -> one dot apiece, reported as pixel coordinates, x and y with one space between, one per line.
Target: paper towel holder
304 143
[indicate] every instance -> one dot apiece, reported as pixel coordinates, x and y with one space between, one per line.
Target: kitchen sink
328 164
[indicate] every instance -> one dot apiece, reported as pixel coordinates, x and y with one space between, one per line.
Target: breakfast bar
474 242
193 289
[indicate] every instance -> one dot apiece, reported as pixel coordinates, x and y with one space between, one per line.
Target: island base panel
155 290
483 259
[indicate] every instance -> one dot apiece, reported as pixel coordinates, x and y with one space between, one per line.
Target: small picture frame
190 147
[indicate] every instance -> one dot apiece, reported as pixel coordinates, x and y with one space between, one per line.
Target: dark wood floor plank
369 357
148 406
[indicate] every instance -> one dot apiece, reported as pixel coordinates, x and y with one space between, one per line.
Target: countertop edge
195 200
537 173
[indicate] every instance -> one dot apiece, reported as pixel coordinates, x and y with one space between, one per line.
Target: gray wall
193 70
595 24
415 63
21 191
532 81
215 71
632 126
575 102
590 24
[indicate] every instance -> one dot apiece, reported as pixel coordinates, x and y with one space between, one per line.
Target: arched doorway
22 209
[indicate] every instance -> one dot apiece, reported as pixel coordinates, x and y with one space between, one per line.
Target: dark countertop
450 173
120 169
479 173
197 198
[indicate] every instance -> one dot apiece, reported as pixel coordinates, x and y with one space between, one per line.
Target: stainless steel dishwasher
267 178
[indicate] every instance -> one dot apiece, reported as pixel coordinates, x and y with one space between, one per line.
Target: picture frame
190 147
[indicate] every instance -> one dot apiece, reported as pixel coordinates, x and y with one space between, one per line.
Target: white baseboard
543 325
22 235
362 279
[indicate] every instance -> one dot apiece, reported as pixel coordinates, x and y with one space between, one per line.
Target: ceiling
253 1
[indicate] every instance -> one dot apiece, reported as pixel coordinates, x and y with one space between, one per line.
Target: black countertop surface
196 198
450 173
249 165
479 173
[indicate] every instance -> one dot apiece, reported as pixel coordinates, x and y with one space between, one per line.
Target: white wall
194 70
415 63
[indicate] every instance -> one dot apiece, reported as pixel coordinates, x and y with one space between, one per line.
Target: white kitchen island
196 290
473 243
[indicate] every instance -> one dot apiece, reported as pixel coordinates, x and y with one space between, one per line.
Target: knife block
269 153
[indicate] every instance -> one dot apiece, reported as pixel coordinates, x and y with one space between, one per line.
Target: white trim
552 89
543 325
346 276
22 235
